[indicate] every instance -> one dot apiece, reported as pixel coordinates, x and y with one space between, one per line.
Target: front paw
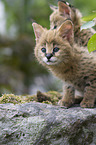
84 104
64 104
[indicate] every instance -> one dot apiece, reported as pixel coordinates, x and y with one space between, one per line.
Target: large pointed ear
66 31
38 30
64 9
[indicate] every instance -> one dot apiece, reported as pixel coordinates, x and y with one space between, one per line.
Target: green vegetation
11 98
89 17
92 43
91 21
51 97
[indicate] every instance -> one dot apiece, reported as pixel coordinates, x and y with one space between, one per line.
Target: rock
44 124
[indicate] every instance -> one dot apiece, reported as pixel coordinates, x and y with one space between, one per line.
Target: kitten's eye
55 27
43 50
56 49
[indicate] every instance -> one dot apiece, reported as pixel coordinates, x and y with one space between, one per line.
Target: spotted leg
89 96
68 98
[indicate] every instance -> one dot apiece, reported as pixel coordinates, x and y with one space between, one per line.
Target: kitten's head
52 46
64 11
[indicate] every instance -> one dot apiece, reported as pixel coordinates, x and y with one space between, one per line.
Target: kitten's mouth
51 61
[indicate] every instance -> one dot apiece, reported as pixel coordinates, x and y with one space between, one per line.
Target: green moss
47 102
55 96
51 97
11 98
30 98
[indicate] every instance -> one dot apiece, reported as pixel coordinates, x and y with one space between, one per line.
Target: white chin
51 62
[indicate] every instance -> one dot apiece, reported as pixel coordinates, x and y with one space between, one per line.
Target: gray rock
43 124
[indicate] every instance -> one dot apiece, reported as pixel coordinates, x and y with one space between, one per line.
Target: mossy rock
11 98
51 97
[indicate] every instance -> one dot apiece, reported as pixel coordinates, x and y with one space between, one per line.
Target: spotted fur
66 11
72 64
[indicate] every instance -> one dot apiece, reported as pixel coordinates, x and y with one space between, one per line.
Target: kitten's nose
49 55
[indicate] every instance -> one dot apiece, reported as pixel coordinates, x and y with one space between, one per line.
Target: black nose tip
49 55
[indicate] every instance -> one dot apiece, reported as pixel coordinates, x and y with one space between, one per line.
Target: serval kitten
55 49
66 11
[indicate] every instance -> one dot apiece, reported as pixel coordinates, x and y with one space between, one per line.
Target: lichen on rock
39 123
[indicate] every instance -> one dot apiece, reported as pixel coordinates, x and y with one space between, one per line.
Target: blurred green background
20 73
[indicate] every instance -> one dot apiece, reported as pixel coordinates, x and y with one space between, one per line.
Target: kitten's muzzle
48 55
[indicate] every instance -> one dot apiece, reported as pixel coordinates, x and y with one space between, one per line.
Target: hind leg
89 97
